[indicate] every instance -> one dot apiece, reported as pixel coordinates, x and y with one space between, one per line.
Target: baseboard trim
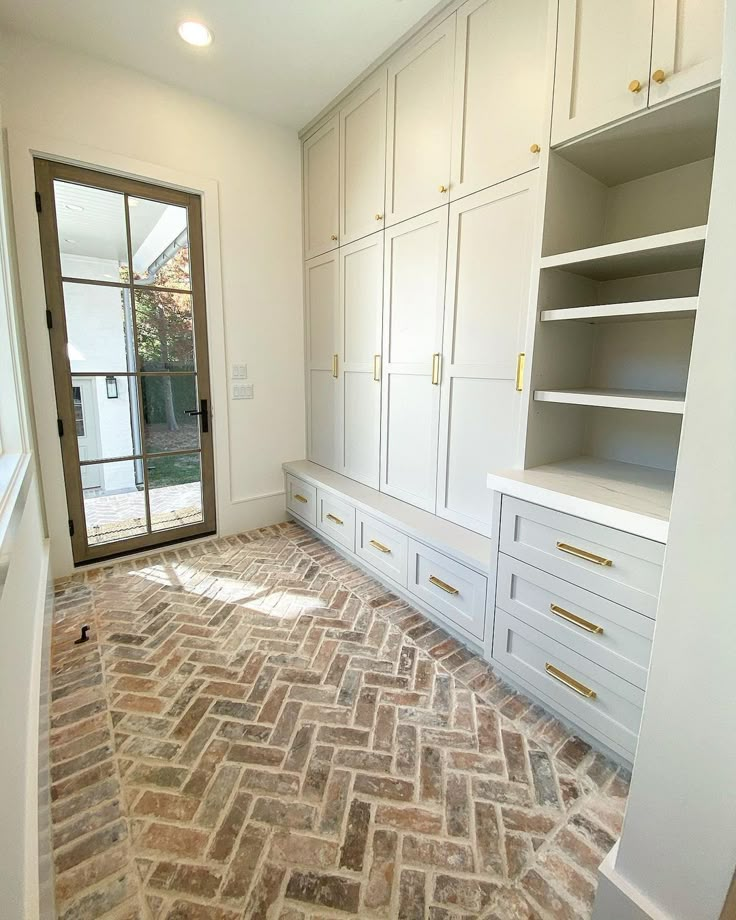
618 899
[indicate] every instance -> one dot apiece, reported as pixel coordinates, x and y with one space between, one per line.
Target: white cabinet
359 357
321 300
363 160
414 279
420 82
500 91
614 59
686 47
320 179
488 274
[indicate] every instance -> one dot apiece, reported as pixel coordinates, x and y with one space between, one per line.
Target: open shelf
638 400
662 252
636 311
623 495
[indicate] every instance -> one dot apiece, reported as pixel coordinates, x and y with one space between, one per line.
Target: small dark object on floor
84 637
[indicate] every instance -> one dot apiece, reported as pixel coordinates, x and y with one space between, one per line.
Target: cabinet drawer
336 518
301 499
612 636
453 589
617 565
382 547
605 704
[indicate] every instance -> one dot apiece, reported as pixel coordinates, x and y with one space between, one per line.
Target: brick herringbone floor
258 730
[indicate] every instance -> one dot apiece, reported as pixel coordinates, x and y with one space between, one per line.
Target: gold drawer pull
379 546
578 621
570 682
301 498
377 368
520 362
334 365
436 369
583 554
443 584
334 519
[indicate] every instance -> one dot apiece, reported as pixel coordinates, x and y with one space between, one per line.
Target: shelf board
627 496
672 308
662 252
640 400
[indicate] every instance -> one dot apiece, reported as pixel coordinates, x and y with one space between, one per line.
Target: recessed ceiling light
195 33
74 207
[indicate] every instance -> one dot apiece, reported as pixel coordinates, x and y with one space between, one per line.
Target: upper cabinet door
489 257
359 356
602 72
420 124
363 160
500 91
321 301
686 47
320 180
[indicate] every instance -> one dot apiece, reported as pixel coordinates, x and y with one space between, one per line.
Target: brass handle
443 189
436 369
301 498
659 76
443 584
377 368
583 554
379 546
520 362
570 681
379 216
334 236
535 148
635 86
334 519
334 365
578 621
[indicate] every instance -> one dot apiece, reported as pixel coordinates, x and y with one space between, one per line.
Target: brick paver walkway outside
115 517
259 730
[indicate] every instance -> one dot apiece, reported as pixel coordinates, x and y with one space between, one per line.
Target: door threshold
100 561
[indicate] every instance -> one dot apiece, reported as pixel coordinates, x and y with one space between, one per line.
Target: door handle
203 413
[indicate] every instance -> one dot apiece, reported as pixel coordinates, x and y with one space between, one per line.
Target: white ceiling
281 59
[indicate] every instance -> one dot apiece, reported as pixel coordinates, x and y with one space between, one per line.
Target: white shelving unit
636 400
633 311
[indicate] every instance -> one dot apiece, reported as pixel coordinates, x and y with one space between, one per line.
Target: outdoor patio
119 516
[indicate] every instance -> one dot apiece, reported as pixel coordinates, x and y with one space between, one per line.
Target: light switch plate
240 371
242 391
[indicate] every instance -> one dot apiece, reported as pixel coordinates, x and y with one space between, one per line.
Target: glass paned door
124 276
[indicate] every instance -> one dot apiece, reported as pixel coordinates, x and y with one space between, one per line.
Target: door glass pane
114 504
166 425
99 328
106 417
165 332
160 243
175 491
93 241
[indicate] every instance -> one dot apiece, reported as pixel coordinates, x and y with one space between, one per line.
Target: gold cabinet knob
379 216
635 86
334 236
535 148
443 189
659 76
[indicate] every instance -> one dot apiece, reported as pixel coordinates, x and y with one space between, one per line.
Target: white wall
78 108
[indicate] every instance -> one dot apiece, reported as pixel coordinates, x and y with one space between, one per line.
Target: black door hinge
49 320
71 527
38 202
60 426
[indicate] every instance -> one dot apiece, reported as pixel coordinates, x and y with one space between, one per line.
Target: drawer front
382 547
453 589
301 499
612 636
612 712
617 565
336 518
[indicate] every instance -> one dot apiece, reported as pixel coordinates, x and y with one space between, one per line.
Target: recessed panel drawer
453 589
382 547
613 636
608 706
301 499
620 566
336 518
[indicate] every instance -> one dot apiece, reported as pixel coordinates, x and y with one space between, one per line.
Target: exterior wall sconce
112 387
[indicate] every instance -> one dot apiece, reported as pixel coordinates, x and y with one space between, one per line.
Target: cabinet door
363 160
320 288
486 309
361 298
686 47
414 278
320 181
603 54
500 91
420 124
